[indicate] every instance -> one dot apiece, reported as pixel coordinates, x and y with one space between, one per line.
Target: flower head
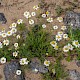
65 36
60 33
33 13
70 46
15 45
60 19
43 15
50 20
65 48
46 63
44 26
55 27
56 47
6 42
31 21
20 21
63 28
13 30
9 33
58 37
53 43
35 7
75 43
24 61
4 35
18 36
13 25
18 72
27 14
3 60
15 54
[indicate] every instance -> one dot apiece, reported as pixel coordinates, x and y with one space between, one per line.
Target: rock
78 63
10 71
2 18
74 75
36 64
72 18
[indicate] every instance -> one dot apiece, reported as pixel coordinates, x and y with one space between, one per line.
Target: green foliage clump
56 72
74 34
59 69
37 43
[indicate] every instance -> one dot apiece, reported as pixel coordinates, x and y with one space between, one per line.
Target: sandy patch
1 72
29 75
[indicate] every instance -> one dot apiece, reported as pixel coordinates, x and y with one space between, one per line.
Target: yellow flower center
47 62
58 37
66 48
76 43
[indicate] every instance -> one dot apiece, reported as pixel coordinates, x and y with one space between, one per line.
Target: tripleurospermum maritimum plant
37 43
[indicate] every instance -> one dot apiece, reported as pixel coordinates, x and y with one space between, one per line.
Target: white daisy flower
9 33
47 13
15 45
24 61
35 7
53 43
33 13
55 27
20 21
3 60
70 46
65 48
60 33
13 30
75 43
50 20
26 13
15 54
28 16
31 21
13 25
63 28
6 42
46 63
44 26
1 46
60 19
18 36
56 47
18 72
43 15
58 37
65 36
4 35
3 30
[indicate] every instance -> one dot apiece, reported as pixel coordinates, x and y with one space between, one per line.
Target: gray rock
72 18
10 71
74 75
2 18
36 64
78 63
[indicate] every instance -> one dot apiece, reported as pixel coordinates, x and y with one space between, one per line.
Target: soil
32 76
1 72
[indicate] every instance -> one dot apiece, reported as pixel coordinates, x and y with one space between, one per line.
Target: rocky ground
14 9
